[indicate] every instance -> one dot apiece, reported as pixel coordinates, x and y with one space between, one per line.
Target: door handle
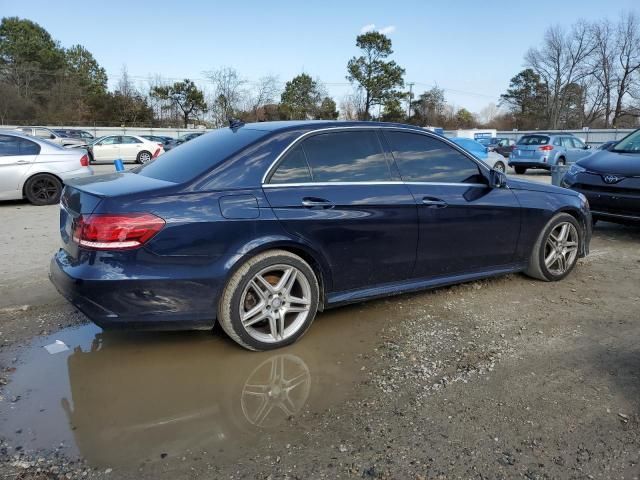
312 202
434 202
22 162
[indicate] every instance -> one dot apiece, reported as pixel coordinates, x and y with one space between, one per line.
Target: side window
557 141
42 133
9 146
293 168
566 142
355 156
577 143
129 140
421 158
110 141
29 148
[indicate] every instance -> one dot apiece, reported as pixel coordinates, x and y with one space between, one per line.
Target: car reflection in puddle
123 399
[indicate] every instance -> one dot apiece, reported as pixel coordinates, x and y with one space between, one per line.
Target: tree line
584 75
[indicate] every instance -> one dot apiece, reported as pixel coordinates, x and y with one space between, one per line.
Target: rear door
16 159
465 225
336 191
129 148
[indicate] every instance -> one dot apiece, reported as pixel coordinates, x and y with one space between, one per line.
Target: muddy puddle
123 399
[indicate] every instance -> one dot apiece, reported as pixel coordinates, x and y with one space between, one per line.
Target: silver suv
48 134
543 150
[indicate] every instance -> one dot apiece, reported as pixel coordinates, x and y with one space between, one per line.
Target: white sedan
36 169
128 148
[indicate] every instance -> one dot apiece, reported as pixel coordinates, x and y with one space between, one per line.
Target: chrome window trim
426 133
390 182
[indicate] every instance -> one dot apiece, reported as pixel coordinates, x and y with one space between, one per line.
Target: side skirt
397 288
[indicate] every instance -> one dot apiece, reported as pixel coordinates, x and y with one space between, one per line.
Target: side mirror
497 179
587 147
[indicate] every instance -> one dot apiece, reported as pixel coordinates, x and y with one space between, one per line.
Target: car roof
322 124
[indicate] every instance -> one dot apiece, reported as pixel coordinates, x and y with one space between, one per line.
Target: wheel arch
582 220
316 261
31 175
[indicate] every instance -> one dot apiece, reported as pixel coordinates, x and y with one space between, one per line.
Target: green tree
393 111
327 110
81 64
429 108
300 99
185 95
378 77
526 98
464 118
29 57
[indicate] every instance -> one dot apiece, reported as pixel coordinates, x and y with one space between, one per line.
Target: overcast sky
469 48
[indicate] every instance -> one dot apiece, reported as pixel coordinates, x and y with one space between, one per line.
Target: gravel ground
503 378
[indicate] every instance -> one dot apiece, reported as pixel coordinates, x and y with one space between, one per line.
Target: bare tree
628 60
227 95
265 92
352 105
602 66
560 62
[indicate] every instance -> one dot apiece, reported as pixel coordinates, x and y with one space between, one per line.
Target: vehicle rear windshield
534 140
196 156
629 144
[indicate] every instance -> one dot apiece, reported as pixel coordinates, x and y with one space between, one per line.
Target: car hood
605 161
517 184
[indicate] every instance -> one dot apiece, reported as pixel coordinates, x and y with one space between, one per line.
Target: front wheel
499 166
520 170
43 189
270 301
555 253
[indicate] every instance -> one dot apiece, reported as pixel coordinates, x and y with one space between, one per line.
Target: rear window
534 140
199 155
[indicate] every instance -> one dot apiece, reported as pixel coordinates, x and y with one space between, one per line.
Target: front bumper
155 304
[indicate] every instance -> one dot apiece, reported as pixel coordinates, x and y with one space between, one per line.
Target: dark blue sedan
259 226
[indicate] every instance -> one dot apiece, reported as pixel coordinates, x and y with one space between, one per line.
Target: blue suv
260 226
545 150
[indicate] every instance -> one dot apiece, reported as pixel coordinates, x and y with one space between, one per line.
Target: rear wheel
555 253
43 189
499 166
143 157
561 161
520 170
270 301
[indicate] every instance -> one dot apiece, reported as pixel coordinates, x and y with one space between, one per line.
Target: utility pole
410 97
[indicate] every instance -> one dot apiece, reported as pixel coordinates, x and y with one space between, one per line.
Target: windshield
96 140
199 155
629 144
534 140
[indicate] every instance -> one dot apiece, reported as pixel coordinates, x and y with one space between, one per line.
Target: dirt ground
503 378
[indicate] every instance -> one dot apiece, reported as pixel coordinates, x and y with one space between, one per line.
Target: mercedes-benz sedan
260 226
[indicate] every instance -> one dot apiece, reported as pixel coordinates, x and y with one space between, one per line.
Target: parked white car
37 169
128 148
54 137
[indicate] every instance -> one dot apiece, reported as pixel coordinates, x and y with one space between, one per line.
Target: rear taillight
84 160
116 231
545 148
157 152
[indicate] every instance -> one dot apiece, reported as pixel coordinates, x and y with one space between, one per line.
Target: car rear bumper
79 173
158 304
529 163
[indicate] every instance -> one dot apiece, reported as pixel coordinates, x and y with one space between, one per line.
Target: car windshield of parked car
485 141
200 154
534 140
629 144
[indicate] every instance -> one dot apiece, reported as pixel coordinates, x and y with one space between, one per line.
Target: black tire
43 189
230 301
561 161
144 157
500 166
520 170
537 267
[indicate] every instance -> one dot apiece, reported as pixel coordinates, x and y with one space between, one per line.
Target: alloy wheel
44 189
145 157
275 304
561 248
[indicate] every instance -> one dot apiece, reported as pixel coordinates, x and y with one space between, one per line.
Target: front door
107 149
576 149
465 225
16 158
337 193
